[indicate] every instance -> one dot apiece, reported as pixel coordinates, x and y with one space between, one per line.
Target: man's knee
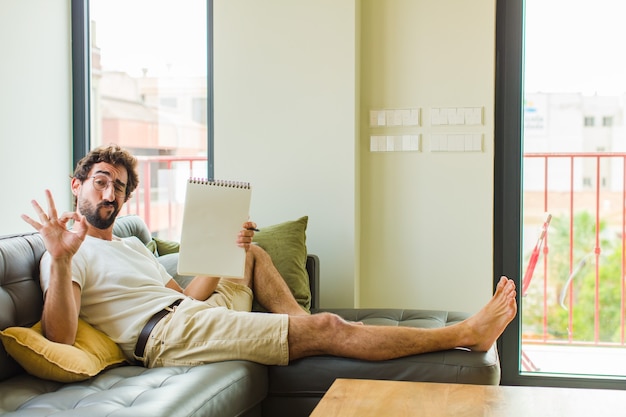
255 253
326 322
312 334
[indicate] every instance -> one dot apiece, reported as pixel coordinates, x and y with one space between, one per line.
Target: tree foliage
577 283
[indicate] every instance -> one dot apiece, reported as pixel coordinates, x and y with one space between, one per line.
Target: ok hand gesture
60 242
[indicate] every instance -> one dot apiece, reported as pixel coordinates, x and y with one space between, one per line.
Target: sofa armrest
313 269
132 225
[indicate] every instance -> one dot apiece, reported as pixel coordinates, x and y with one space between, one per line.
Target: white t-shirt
122 286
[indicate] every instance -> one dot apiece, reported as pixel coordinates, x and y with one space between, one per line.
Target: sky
163 36
575 46
571 45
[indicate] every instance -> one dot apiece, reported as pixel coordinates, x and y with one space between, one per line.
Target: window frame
508 193
81 83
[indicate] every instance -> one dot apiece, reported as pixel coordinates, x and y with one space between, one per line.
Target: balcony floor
578 360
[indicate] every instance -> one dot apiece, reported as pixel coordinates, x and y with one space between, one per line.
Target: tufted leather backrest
21 299
19 279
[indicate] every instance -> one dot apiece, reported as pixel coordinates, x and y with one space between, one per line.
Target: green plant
570 313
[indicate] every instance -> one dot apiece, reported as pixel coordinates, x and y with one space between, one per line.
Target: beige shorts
219 329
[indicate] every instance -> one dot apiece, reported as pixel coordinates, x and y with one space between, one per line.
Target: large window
552 155
142 75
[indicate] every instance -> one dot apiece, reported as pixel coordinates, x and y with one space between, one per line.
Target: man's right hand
59 318
60 242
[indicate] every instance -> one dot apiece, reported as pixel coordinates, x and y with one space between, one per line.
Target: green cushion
165 247
152 247
160 247
286 245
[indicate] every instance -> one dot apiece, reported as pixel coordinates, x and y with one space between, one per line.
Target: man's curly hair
114 155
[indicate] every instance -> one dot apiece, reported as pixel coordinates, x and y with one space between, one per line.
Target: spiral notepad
214 213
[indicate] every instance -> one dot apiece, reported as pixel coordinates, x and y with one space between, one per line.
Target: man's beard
93 215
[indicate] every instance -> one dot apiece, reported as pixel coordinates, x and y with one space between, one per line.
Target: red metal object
158 215
593 196
532 263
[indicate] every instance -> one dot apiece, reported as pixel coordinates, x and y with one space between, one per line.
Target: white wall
285 89
287 114
427 217
35 111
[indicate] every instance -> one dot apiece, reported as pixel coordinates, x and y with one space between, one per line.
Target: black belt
147 329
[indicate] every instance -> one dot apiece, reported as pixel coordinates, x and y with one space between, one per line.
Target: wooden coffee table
369 398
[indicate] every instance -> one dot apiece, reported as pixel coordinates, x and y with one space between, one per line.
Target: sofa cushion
220 389
286 244
92 352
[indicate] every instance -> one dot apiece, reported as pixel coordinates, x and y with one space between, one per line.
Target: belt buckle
172 307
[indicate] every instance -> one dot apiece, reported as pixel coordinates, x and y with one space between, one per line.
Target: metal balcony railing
159 197
578 288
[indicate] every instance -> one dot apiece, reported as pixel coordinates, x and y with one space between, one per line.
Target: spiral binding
220 183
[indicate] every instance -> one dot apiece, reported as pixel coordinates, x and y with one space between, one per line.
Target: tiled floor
559 359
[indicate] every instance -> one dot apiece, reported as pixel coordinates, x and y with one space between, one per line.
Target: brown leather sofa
235 388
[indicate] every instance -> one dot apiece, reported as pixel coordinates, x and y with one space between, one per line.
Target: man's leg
269 287
329 334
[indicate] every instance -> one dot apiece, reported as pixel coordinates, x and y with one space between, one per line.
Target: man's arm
62 300
59 320
200 288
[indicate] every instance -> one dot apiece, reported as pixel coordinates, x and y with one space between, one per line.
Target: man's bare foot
488 324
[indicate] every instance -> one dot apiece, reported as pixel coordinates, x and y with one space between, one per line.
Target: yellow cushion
92 352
